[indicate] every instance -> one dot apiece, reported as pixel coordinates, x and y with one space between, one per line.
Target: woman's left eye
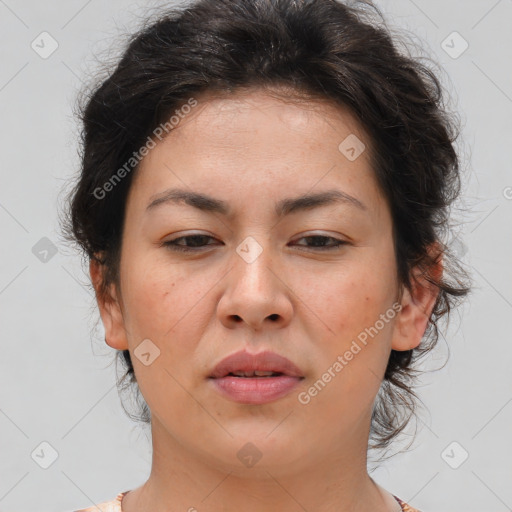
319 242
321 239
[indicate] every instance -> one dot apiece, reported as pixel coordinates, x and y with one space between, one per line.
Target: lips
262 365
255 379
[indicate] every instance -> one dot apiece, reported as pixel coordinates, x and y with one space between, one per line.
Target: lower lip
255 390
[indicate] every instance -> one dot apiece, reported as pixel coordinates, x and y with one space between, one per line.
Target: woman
264 188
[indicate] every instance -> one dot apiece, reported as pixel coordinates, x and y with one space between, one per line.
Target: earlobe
110 310
417 306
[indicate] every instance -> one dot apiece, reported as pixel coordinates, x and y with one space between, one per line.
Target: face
253 269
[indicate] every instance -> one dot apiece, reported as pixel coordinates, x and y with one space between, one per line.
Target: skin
251 150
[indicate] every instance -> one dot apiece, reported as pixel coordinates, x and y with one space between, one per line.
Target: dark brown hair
315 49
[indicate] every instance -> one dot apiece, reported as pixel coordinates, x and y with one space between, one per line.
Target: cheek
354 349
168 306
160 307
150 294
352 298
348 305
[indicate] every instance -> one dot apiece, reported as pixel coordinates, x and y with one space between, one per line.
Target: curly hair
343 53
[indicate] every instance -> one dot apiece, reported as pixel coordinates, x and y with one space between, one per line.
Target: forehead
246 111
256 144
262 121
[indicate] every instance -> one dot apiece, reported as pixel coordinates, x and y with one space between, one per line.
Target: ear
417 304
110 309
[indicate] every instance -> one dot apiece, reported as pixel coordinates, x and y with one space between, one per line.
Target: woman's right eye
173 245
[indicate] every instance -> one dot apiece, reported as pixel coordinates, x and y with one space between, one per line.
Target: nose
256 294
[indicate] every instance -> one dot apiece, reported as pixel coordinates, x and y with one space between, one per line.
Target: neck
181 480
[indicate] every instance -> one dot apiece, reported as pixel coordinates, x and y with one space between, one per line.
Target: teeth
256 373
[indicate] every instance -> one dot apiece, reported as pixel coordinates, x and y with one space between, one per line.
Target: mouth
263 364
255 378
256 373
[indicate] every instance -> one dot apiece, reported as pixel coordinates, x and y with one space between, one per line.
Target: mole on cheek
167 292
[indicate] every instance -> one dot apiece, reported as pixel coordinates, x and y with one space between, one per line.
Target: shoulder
113 505
405 506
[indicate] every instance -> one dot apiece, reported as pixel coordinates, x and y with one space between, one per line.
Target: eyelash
173 246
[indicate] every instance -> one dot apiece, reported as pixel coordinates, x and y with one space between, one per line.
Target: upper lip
244 361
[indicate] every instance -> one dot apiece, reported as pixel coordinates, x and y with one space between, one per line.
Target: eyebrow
284 207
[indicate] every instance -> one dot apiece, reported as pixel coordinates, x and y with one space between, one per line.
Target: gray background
56 386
